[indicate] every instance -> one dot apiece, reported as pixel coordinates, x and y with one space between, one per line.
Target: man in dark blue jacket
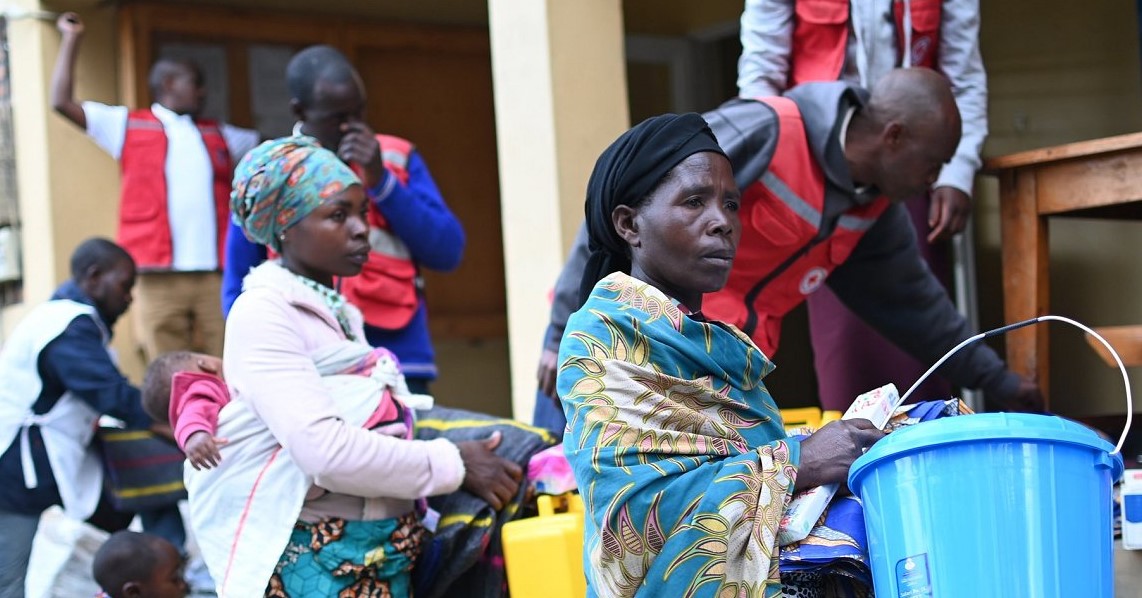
329 101
56 379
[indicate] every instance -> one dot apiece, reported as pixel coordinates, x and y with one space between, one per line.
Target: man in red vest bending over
789 42
174 207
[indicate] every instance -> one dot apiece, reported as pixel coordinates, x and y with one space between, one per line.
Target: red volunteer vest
144 225
821 32
780 260
387 290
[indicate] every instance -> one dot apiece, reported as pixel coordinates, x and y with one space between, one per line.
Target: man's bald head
916 124
920 98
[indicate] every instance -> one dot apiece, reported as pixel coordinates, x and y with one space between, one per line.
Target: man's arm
564 302
565 298
239 141
242 255
63 75
80 362
886 283
767 42
418 215
959 59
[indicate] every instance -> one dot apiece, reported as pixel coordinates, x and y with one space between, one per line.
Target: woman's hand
827 454
487 475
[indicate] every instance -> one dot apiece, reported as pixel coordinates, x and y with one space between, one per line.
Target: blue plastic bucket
996 504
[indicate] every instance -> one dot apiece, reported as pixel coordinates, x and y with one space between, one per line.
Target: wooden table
1101 178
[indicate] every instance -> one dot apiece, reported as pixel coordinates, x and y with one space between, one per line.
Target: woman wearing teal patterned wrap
678 449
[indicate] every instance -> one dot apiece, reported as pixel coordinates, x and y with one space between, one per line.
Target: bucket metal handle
1010 327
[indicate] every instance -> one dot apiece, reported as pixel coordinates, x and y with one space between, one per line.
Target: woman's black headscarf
625 173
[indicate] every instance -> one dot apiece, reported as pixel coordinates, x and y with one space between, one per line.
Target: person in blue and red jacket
410 226
175 192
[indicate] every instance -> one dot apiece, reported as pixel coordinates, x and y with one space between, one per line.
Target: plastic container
544 555
996 504
1132 509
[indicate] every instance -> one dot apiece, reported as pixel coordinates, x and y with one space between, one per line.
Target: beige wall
560 99
1063 71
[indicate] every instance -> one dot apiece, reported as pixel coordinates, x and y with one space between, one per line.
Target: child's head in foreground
157 381
135 565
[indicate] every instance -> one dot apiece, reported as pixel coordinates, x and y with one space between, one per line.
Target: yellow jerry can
544 554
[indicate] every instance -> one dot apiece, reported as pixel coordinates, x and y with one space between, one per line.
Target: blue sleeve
241 255
418 215
79 361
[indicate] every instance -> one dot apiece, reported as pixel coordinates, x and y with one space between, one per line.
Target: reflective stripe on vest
388 289
781 257
821 31
144 223
396 159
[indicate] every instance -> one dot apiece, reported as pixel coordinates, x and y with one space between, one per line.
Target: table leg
1025 274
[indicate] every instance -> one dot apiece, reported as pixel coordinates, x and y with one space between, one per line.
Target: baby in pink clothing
186 390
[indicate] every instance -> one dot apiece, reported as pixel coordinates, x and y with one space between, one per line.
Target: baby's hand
202 450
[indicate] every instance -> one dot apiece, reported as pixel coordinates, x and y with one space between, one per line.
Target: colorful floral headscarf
280 182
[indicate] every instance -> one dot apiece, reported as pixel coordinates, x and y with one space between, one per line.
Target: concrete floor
1127 572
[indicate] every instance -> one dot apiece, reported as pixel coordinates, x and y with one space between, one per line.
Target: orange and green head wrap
280 182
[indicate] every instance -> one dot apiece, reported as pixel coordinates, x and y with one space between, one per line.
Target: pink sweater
196 399
275 326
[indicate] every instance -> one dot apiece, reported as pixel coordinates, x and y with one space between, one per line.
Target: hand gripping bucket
997 504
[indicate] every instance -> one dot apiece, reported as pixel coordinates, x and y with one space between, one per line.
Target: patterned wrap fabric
678 449
336 557
280 182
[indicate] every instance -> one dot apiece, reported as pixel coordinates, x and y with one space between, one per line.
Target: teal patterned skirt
336 557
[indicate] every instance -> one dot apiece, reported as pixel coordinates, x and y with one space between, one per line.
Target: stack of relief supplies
836 550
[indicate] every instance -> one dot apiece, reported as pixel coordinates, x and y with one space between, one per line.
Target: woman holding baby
317 491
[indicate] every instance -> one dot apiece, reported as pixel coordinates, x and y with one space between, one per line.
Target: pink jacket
275 326
196 399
